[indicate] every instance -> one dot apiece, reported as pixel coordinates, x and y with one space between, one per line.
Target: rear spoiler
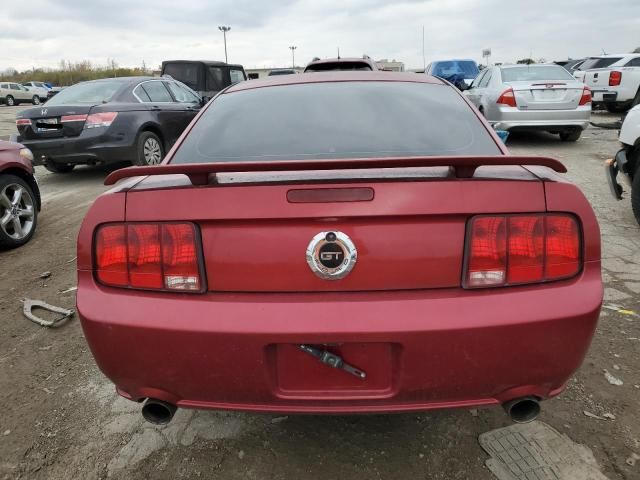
200 173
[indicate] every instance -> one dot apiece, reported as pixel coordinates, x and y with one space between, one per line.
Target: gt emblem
331 255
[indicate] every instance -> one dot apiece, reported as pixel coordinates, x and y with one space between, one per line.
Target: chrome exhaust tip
157 411
522 410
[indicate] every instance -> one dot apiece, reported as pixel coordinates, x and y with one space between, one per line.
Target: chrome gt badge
331 255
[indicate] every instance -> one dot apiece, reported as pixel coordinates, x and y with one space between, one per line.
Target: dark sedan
133 119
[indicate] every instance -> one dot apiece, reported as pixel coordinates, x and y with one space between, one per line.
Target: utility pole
224 31
293 56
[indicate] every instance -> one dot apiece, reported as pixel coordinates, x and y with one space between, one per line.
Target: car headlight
26 153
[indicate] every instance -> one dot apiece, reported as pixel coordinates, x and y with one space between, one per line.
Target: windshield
91 93
336 120
467 68
598 62
535 73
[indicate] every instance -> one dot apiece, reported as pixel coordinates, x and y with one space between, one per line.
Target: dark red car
340 243
19 195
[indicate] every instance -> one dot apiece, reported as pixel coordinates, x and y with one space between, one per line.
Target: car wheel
635 190
35 100
10 101
572 136
59 167
18 212
150 151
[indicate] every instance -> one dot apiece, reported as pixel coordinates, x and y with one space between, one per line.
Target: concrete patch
536 451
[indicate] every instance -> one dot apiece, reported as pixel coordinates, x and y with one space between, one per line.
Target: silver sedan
532 97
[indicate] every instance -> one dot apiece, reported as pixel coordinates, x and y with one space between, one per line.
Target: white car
627 160
39 88
614 80
12 93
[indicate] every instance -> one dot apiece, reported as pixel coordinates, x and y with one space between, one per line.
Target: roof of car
340 60
206 62
335 76
531 65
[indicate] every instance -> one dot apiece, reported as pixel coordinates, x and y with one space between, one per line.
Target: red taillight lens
507 98
102 119
586 96
517 249
73 118
149 256
615 78
23 122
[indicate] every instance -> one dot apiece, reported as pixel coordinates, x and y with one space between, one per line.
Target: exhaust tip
158 412
523 410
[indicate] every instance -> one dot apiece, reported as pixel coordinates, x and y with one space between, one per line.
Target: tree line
68 73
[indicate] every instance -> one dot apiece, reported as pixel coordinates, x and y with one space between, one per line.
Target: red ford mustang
340 243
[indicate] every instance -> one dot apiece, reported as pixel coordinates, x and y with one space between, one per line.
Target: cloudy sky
42 32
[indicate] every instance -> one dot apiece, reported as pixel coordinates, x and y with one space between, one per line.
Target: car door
164 110
188 103
473 92
483 92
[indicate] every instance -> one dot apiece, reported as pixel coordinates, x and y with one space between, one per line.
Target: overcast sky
42 32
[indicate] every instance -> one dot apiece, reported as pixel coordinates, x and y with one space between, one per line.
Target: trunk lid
408 227
551 95
598 78
48 121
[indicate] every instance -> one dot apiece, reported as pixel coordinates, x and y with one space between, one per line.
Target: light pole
293 55
224 31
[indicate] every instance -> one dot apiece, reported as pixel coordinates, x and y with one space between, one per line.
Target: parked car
627 161
132 119
532 97
614 80
571 65
454 71
39 88
53 91
330 64
19 196
338 243
12 93
205 77
282 71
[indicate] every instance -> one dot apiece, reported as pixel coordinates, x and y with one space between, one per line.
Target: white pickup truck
614 80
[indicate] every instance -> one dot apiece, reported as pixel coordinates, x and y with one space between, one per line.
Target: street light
293 55
224 31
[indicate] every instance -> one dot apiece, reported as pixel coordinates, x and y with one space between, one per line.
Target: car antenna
338 53
603 52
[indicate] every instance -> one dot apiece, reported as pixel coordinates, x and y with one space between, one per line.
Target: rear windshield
467 68
336 120
596 62
90 93
328 66
186 73
530 73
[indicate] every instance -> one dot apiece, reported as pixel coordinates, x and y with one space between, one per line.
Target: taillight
615 78
73 118
149 256
507 98
586 96
102 119
23 122
517 249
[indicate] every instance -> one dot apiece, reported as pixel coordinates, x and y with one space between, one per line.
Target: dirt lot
61 418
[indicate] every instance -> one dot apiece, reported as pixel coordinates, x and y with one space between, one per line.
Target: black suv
205 77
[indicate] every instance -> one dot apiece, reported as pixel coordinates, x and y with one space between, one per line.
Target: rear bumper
606 96
435 349
91 146
510 118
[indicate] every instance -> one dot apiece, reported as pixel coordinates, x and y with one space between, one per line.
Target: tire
616 107
10 101
635 191
149 149
18 212
59 167
35 100
571 136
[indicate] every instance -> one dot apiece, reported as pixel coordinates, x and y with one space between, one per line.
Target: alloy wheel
16 211
36 100
152 151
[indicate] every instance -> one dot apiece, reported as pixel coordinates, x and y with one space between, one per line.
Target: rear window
336 120
597 62
329 66
186 73
467 68
91 93
537 73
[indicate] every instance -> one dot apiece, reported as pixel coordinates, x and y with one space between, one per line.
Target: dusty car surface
340 243
19 195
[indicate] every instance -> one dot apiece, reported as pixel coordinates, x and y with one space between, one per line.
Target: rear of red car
308 264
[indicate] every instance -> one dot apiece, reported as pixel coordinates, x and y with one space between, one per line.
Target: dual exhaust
520 410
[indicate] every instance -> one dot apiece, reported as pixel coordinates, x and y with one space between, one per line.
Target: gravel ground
62 419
